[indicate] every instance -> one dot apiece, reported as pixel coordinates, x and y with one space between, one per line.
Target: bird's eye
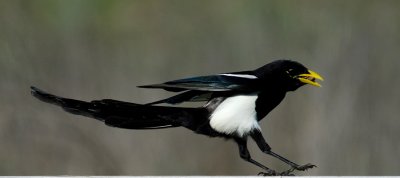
289 72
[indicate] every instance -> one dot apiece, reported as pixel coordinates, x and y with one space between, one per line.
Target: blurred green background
98 49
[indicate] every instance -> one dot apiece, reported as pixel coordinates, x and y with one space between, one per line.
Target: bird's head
288 74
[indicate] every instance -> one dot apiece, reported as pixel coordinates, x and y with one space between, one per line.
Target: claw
269 173
287 172
299 168
305 167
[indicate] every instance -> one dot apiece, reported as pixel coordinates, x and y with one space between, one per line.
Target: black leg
263 145
245 154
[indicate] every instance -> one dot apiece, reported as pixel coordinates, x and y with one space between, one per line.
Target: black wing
187 96
238 81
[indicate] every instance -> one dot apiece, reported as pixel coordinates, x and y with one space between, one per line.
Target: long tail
126 115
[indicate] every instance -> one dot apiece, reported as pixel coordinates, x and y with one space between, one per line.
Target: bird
234 104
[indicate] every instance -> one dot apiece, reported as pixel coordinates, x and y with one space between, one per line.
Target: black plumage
234 103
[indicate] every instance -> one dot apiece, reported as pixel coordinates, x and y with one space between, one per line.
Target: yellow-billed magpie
234 104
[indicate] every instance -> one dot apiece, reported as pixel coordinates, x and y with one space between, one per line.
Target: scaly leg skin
245 154
264 147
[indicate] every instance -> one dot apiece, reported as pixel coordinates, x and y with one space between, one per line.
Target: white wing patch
236 114
248 76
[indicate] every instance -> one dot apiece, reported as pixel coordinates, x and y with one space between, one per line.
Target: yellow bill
310 78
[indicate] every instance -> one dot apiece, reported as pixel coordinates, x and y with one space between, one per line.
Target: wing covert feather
239 81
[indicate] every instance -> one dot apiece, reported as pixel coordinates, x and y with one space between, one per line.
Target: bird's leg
263 145
245 154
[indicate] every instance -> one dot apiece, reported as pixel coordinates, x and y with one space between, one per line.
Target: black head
286 74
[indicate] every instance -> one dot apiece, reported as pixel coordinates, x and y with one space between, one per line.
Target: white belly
236 115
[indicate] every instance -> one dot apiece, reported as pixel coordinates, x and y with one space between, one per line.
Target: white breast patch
236 114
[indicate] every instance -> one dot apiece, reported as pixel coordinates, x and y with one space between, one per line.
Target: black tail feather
70 105
124 114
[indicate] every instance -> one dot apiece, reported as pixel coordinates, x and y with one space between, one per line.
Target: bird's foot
304 167
299 168
269 172
287 172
